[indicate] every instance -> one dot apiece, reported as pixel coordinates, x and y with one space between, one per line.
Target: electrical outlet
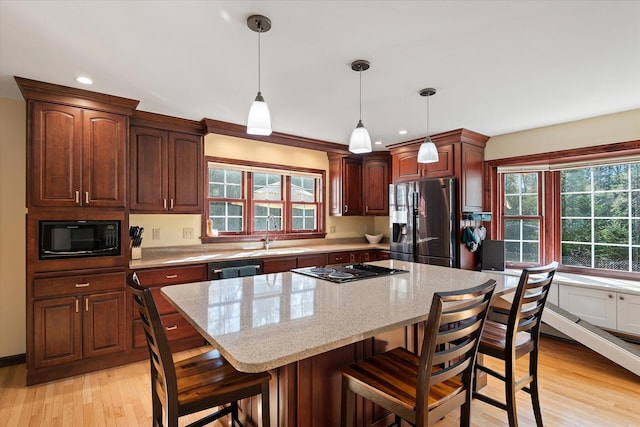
187 233
155 235
332 229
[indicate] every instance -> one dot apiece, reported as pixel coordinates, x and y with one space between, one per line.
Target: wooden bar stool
192 385
517 338
423 389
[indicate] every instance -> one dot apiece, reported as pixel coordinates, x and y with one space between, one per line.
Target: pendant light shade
259 121
360 141
428 152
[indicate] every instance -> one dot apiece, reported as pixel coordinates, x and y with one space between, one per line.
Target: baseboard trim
13 360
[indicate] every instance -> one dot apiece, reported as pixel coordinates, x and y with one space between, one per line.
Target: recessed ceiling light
378 142
402 132
84 80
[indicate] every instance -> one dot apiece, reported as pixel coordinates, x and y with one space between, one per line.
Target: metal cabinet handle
82 285
346 208
77 306
77 196
171 205
366 208
171 276
621 297
171 328
86 197
86 304
610 296
164 203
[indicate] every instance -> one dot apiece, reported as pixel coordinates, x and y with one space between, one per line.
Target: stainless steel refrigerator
423 222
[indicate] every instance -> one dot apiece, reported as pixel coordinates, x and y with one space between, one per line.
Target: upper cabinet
359 185
76 146
166 165
461 156
375 173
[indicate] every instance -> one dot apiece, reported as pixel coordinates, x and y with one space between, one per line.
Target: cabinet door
148 170
55 155
376 187
593 305
444 166
103 165
103 324
185 173
405 166
628 313
57 331
472 177
352 186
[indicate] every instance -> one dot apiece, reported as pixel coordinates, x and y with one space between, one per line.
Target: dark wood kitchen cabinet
359 185
345 177
74 320
166 165
76 146
180 333
375 184
406 167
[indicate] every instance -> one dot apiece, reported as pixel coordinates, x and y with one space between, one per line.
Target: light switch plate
187 233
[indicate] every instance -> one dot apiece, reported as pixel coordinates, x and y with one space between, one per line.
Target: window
583 213
600 217
522 219
243 200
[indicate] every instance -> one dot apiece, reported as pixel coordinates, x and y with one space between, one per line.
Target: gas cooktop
340 273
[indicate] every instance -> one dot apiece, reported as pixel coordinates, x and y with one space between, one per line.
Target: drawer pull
610 296
86 197
86 304
621 298
82 285
171 328
77 308
77 197
164 203
171 276
171 204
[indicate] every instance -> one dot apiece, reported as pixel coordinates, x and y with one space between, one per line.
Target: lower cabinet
73 328
78 323
180 333
605 308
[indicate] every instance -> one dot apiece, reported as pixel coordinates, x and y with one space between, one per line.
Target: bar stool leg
533 387
510 391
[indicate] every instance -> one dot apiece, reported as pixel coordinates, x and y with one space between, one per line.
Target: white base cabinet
628 313
607 309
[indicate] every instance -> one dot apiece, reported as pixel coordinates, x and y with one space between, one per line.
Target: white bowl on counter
373 238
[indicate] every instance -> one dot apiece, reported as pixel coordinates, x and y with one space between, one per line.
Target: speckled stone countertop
182 255
266 321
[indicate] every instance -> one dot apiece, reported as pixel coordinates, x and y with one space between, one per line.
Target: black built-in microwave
77 239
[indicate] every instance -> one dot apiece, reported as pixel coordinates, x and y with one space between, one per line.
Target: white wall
12 227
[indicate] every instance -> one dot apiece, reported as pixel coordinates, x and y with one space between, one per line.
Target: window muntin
521 217
242 199
600 217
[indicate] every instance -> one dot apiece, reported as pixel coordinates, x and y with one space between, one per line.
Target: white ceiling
498 66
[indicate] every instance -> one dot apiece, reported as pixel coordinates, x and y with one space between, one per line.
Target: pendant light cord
428 115
259 31
360 73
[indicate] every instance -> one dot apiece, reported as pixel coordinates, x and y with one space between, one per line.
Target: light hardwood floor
578 388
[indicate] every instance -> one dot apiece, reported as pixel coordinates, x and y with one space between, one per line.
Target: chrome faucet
267 242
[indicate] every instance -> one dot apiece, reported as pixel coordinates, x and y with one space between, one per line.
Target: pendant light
259 121
360 141
428 152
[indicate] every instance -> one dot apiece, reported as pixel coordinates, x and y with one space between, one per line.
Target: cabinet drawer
163 306
319 260
78 284
172 276
339 257
175 326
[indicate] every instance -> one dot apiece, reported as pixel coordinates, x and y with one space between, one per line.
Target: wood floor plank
579 388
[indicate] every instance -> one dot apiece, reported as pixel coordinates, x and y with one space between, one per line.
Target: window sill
227 238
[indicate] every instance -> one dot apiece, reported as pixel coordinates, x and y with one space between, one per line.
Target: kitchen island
304 329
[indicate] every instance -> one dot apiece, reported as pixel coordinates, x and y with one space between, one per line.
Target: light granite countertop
182 255
266 321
